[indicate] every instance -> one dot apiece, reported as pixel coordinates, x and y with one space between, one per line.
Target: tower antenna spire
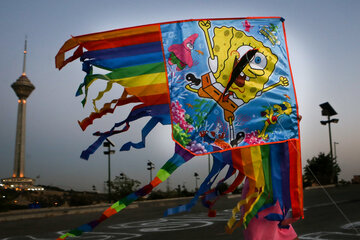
25 52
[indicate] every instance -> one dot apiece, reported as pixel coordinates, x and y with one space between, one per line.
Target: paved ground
322 221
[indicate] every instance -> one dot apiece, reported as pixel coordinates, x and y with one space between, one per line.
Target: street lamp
196 175
108 144
328 111
150 167
122 176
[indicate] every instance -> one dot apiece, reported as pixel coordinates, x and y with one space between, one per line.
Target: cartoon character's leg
173 60
240 136
235 140
262 133
231 130
193 81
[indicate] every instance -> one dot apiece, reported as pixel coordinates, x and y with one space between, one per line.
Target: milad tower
23 88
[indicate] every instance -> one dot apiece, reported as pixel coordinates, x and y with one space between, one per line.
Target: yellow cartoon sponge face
229 44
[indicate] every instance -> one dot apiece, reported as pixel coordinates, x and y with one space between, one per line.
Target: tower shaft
19 158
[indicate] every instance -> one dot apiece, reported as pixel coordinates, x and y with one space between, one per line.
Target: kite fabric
226 88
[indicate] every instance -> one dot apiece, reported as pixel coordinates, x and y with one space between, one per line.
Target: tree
123 186
325 169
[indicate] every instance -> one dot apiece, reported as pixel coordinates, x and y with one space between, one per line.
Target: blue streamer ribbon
205 186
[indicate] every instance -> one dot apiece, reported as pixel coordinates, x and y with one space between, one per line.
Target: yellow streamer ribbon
101 94
252 168
236 209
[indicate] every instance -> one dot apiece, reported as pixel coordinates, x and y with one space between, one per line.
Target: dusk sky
323 39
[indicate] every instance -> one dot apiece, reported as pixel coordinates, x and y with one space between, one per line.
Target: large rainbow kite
226 88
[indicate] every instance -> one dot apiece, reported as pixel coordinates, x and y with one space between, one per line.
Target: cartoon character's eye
258 61
243 50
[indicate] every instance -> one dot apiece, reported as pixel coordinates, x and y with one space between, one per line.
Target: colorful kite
226 88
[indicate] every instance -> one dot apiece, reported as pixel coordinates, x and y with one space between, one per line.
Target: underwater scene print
230 83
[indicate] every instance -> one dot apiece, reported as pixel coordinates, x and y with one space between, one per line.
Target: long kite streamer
226 88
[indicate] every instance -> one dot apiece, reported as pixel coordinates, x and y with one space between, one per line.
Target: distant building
23 88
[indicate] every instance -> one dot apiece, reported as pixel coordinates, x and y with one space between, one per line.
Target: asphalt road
323 220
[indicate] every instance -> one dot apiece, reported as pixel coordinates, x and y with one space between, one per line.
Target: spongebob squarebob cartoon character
227 47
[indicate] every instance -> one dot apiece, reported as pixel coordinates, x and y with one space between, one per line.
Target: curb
49 212
59 211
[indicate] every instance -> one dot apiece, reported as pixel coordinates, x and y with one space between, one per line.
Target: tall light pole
196 175
150 167
328 111
335 149
108 144
209 165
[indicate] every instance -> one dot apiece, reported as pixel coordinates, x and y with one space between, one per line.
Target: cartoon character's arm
279 110
205 26
283 81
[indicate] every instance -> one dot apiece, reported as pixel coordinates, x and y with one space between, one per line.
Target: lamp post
150 167
335 149
328 111
108 144
209 165
196 175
